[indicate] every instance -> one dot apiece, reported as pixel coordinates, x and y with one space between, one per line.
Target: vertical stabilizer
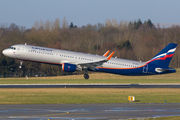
164 57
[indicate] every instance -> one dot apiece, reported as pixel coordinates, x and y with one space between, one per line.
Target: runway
89 85
88 111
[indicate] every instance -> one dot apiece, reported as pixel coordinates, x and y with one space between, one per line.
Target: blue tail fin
163 58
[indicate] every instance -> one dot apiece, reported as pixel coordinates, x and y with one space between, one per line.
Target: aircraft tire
86 76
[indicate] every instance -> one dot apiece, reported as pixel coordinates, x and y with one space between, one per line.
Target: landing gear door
145 69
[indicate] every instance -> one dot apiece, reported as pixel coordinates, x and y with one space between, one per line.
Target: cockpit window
12 48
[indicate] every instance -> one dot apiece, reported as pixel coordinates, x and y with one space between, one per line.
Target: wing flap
93 65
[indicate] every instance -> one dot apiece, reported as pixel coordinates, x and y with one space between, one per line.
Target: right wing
93 65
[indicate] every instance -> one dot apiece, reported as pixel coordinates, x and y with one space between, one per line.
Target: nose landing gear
21 64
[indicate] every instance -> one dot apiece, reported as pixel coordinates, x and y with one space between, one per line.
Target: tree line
135 40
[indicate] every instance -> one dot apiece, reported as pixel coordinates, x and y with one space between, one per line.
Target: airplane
76 61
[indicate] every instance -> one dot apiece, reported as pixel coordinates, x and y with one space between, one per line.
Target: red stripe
170 55
117 68
163 58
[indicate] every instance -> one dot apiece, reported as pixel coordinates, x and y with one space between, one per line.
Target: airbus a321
76 61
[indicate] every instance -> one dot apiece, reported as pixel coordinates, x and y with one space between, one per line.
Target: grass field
102 78
161 118
94 95
83 95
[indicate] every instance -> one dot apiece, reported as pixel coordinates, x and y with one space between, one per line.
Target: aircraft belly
123 71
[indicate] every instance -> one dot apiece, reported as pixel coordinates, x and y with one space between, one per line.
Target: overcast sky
83 12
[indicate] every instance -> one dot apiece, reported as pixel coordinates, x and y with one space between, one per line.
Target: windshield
12 48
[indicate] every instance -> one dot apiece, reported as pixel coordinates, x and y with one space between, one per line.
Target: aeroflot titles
41 49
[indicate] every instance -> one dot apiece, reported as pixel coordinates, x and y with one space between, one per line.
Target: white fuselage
58 57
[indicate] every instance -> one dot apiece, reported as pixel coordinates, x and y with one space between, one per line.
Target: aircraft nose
4 52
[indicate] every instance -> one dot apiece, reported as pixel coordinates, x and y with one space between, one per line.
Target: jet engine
68 67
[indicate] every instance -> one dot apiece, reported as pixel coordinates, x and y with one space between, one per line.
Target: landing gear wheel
86 76
21 64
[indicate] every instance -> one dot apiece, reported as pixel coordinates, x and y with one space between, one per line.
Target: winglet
105 55
109 57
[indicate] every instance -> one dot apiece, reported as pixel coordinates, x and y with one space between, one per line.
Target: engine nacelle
68 67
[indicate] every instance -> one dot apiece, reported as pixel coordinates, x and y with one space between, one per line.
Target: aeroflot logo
171 51
41 49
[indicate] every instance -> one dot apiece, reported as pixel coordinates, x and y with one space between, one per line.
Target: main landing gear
86 76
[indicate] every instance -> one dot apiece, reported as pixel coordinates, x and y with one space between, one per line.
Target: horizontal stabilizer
165 70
